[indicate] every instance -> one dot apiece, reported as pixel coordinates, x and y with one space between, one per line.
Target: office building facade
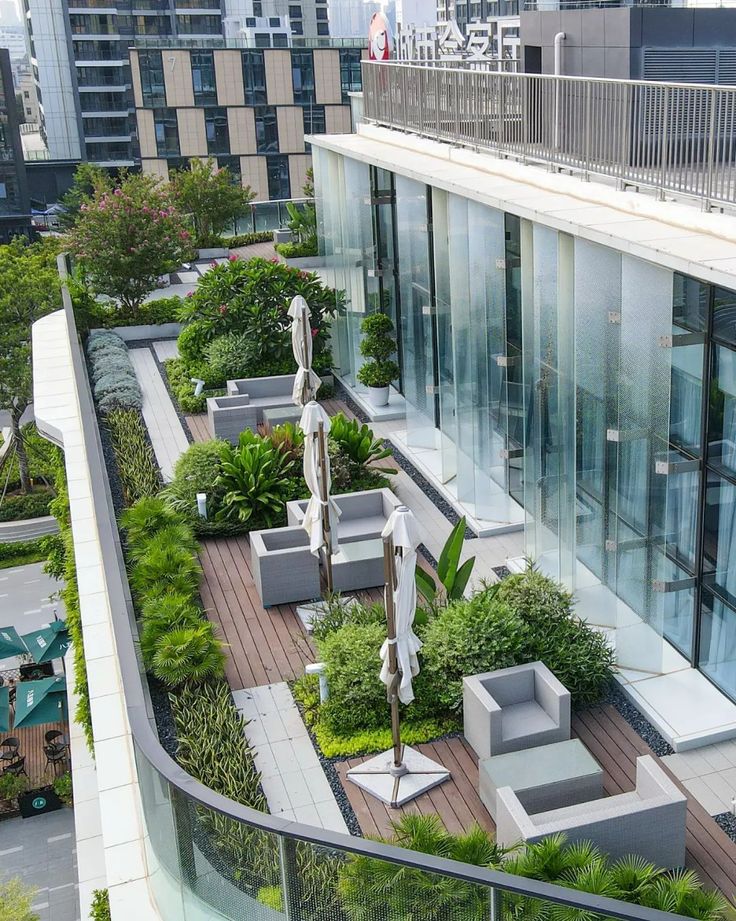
14 202
555 377
250 109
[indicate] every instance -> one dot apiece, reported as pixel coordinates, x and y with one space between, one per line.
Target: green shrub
166 565
100 910
162 614
63 788
358 442
16 900
20 552
579 656
357 698
196 471
22 507
41 458
146 517
228 356
193 341
114 381
254 478
247 239
466 638
298 250
190 654
11 786
179 375
136 462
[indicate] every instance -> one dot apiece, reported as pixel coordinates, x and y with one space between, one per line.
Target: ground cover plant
237 325
112 376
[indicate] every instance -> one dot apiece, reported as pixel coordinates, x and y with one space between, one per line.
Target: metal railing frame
289 833
675 139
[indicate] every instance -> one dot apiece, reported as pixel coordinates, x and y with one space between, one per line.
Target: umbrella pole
393 666
306 389
326 533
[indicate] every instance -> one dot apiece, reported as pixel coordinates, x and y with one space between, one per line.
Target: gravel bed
165 726
641 726
501 571
428 556
727 821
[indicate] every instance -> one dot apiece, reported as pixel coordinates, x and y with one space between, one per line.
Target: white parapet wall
111 834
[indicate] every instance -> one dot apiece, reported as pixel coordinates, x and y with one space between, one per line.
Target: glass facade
559 385
203 78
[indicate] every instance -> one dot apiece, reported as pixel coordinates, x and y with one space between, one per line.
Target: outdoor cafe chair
54 756
55 738
9 748
17 767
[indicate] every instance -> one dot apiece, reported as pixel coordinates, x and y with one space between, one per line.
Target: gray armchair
515 708
649 821
363 515
229 416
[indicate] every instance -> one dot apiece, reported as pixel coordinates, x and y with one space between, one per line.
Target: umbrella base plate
310 613
379 777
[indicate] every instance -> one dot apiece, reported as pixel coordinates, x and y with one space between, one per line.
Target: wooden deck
31 747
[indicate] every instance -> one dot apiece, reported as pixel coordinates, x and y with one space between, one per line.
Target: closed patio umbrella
38 702
402 773
320 518
10 643
50 642
306 382
4 709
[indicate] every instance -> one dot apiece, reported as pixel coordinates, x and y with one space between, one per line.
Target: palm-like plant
145 518
254 477
166 568
163 614
188 654
172 535
358 442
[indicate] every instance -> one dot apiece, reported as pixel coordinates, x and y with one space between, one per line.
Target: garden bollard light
199 386
318 668
202 504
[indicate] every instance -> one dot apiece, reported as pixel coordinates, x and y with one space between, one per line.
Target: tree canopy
212 197
126 238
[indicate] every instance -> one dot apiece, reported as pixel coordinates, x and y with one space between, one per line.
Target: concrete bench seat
245 403
363 515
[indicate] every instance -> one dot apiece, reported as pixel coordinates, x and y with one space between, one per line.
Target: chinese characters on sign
486 44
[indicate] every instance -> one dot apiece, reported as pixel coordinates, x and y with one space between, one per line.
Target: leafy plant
20 552
196 471
466 638
168 566
358 442
228 356
22 507
100 909
16 900
579 656
146 517
127 238
289 439
406 893
63 788
11 786
377 345
452 576
115 384
188 654
136 462
159 615
254 477
212 197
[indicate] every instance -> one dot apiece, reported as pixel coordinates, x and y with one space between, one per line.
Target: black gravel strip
641 726
727 821
165 725
174 401
341 393
501 571
428 556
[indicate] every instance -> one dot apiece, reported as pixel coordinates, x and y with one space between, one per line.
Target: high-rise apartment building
14 205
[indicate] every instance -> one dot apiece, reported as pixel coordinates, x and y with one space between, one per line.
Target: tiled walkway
41 852
165 349
709 774
292 777
164 427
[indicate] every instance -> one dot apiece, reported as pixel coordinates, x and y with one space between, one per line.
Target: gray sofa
284 569
245 402
514 708
362 514
650 821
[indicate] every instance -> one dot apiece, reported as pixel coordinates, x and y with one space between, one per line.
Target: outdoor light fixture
202 504
198 386
318 668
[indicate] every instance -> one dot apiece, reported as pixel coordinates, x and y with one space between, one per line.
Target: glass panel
690 302
416 321
722 415
724 314
718 642
444 320
719 539
674 609
687 395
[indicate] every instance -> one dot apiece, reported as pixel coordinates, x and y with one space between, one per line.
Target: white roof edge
121 837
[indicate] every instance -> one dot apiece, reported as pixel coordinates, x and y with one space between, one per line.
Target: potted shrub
11 787
378 346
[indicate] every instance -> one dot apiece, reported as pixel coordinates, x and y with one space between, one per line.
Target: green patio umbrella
4 709
50 642
38 702
10 643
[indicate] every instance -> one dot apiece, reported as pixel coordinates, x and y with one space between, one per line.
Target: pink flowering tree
212 197
125 239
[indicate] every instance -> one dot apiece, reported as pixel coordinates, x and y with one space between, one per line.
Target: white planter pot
378 396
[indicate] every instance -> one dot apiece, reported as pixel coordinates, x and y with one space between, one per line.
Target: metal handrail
149 746
673 138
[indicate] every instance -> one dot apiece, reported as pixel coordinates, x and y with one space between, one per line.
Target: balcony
669 139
